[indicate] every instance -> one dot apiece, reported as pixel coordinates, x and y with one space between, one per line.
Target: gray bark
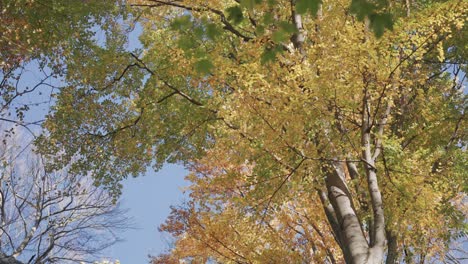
8 259
392 254
356 248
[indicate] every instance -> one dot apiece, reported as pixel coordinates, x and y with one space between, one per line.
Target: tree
35 39
52 216
301 132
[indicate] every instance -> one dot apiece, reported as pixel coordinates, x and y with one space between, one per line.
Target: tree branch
228 26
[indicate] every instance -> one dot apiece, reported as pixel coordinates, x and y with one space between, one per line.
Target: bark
392 254
356 248
8 260
377 246
332 220
408 7
298 38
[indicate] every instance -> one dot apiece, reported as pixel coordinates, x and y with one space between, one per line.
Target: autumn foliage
317 136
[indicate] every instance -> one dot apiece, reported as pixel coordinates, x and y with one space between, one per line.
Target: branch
381 126
371 173
297 38
228 26
331 216
142 65
288 176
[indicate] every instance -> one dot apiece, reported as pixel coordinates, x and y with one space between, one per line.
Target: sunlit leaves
259 118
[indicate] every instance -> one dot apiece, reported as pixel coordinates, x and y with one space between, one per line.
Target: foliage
33 28
38 36
48 215
301 132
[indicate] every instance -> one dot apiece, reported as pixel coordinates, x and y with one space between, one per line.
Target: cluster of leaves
38 36
31 28
47 215
267 110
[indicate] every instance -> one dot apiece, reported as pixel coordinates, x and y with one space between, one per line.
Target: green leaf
203 66
260 30
303 6
267 18
212 31
181 23
280 36
249 4
199 32
235 14
287 27
186 43
271 2
375 11
268 55
362 9
380 22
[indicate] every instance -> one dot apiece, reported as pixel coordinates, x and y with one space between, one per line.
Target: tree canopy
47 215
39 36
312 133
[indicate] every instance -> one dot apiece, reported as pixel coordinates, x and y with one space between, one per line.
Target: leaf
235 14
287 27
280 36
249 4
362 9
304 6
203 66
212 31
284 32
260 30
268 55
375 11
267 18
380 22
186 42
181 23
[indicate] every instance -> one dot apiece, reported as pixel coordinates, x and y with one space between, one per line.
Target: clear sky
149 199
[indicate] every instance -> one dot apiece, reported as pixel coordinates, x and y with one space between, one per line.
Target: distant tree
52 216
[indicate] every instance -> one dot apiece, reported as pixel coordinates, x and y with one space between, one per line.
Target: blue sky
148 197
